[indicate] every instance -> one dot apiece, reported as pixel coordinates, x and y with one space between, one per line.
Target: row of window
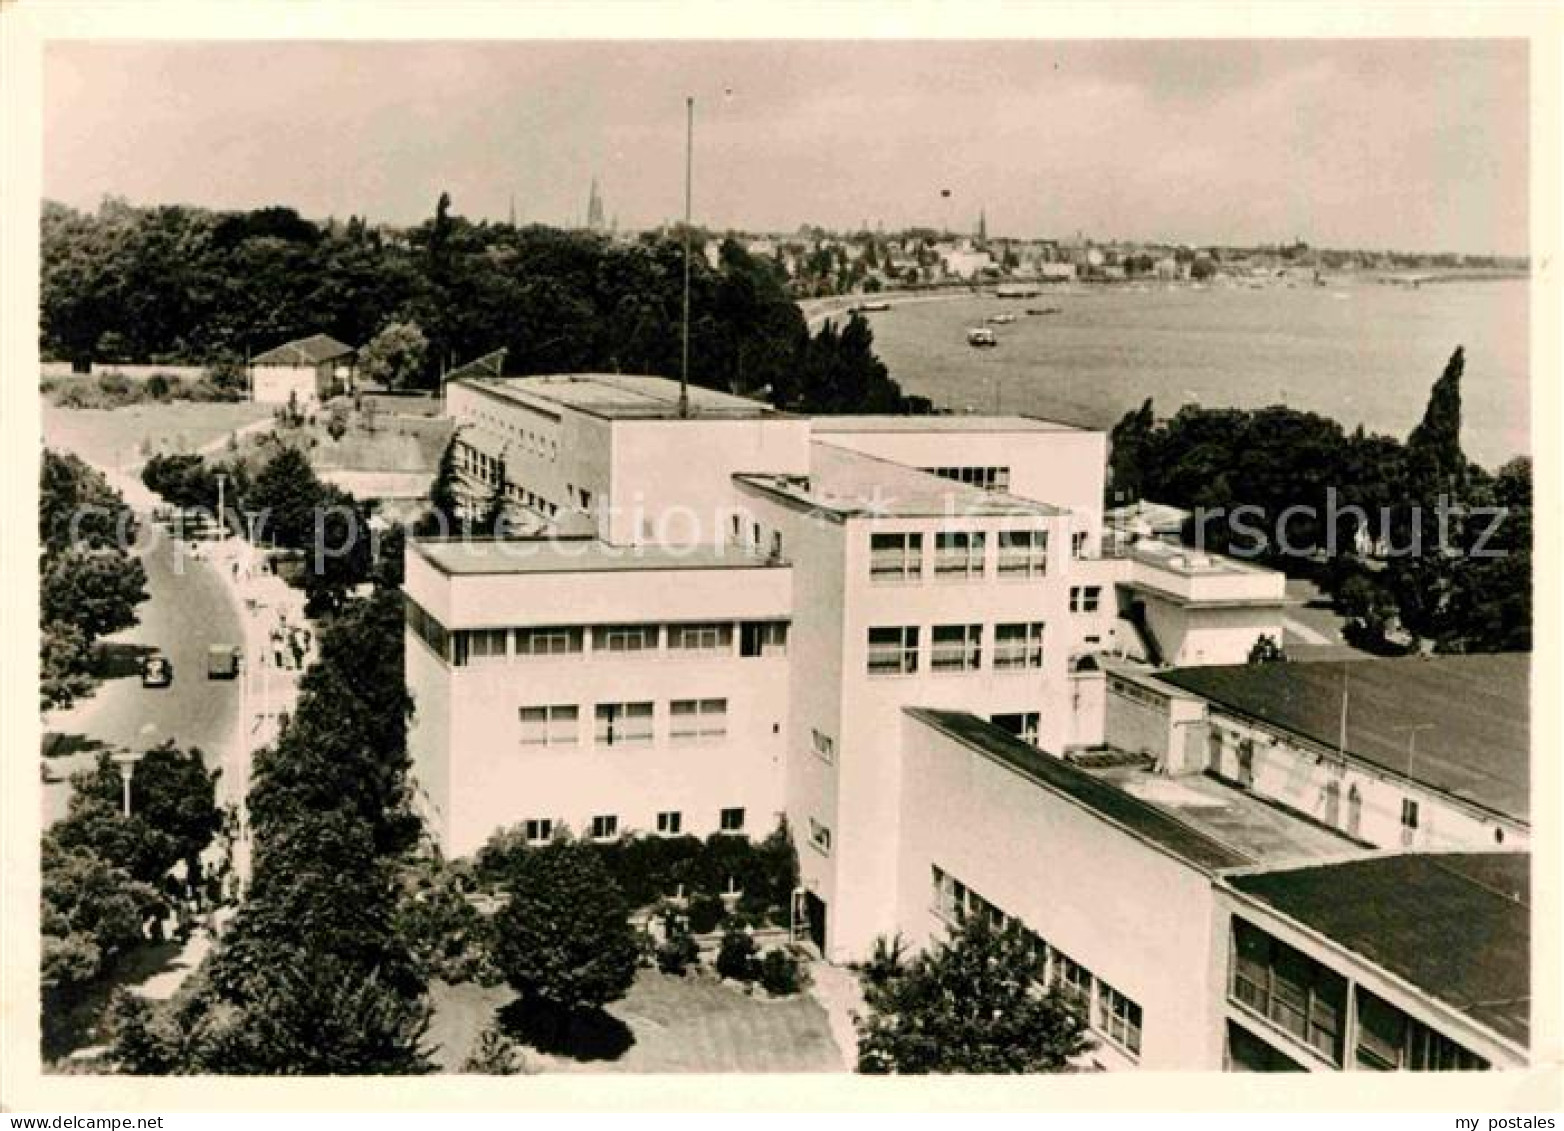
955 648
541 830
624 724
536 443
986 478
897 557
478 645
1308 1001
1108 1011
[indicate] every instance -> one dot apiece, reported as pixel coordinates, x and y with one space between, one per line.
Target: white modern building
907 636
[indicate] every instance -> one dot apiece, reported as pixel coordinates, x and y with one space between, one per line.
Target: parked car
156 670
222 661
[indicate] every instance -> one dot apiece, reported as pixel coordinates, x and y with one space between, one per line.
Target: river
1360 352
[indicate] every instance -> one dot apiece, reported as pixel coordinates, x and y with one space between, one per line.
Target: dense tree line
89 584
312 977
180 284
1406 535
106 878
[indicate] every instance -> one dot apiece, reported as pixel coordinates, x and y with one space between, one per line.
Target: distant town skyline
1419 146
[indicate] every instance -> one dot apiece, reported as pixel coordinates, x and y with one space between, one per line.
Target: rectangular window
698 720
1078 544
1119 1018
958 554
426 627
605 828
670 823
486 644
1023 553
622 638
1018 646
1075 981
956 647
1289 989
716 637
539 830
763 638
550 726
1409 818
895 558
823 744
819 837
893 651
620 724
1023 725
560 641
1389 1040
732 821
1085 598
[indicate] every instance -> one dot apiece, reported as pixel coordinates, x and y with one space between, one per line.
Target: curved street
188 608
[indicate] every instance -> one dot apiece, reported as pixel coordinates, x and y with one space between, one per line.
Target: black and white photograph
685 555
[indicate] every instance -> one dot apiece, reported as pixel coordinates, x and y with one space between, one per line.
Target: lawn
664 1024
123 438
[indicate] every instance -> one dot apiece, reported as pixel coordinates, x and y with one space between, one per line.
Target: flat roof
1188 562
1261 830
619 396
471 556
1139 816
938 422
1455 925
1472 715
846 483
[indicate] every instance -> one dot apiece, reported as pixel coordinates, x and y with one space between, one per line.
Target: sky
1413 145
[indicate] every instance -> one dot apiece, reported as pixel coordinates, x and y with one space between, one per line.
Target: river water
1359 352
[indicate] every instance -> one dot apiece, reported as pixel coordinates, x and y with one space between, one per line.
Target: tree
395 356
970 1004
92 913
288 493
95 591
564 941
1266 650
443 515
1128 453
65 655
173 805
1433 449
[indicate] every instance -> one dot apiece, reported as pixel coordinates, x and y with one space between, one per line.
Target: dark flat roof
1142 818
1456 925
1473 715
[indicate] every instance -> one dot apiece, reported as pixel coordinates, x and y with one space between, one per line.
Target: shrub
495 1054
159 386
781 973
706 913
678 951
736 957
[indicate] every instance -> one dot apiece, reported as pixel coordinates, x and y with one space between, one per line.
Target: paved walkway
836 989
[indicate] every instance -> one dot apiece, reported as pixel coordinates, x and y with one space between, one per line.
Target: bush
159 386
736 957
495 1054
706 913
781 973
678 951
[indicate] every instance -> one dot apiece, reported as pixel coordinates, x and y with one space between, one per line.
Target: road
187 609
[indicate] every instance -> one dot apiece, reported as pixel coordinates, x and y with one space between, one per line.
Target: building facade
909 637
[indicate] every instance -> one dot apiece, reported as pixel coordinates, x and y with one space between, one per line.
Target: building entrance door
814 908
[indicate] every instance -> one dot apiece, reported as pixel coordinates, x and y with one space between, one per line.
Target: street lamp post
222 525
126 761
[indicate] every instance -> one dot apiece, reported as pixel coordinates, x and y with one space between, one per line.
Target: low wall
131 372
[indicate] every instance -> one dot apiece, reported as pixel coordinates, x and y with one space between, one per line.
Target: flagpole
684 361
1341 740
